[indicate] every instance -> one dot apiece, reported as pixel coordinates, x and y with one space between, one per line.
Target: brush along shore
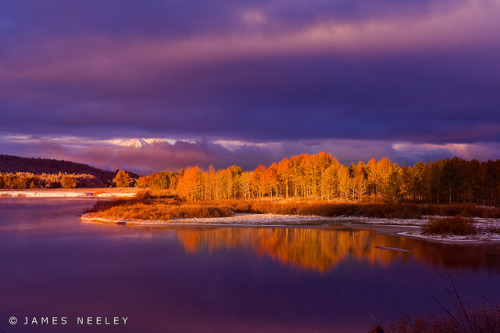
148 210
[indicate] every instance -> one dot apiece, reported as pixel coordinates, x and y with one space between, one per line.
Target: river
59 275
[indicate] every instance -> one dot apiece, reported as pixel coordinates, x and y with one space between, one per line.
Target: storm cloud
268 73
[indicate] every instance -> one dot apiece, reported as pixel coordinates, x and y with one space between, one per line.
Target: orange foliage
321 250
321 176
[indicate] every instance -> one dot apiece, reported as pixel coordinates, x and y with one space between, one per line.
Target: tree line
28 180
322 177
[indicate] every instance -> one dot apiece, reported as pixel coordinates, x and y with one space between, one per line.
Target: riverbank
410 228
147 209
71 193
244 216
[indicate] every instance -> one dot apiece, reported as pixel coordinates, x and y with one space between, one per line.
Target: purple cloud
262 71
148 156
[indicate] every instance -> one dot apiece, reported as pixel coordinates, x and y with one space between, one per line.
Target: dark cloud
258 71
179 19
410 99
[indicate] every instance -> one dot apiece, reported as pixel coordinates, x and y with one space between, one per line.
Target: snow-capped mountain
137 142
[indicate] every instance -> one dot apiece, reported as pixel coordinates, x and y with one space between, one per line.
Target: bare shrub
483 318
456 225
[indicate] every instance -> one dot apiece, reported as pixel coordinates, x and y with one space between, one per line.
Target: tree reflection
321 250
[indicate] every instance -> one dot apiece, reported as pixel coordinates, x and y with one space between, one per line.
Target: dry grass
485 317
482 319
378 210
159 211
466 210
147 206
456 225
322 208
157 205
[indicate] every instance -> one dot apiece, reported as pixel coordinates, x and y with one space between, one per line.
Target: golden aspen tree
284 173
122 179
189 184
271 180
258 181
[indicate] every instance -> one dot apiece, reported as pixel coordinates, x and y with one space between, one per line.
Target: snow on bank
272 219
413 226
64 194
115 195
481 236
483 225
237 219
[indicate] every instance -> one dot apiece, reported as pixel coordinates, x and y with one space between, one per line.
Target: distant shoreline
70 193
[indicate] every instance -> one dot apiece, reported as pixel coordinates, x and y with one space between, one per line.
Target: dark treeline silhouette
322 177
20 172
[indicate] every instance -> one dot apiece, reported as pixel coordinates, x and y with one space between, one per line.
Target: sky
248 82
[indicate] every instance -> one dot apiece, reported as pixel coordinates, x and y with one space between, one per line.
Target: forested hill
13 164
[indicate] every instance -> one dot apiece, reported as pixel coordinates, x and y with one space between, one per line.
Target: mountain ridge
138 142
37 165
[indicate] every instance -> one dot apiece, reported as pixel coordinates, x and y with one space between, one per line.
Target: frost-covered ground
237 219
412 226
275 219
482 236
483 225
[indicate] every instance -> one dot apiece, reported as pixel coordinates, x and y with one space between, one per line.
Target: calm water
218 279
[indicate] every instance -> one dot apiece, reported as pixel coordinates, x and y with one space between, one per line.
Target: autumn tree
433 181
68 182
271 180
359 180
381 176
418 186
258 181
319 163
122 179
18 182
345 182
142 182
223 184
210 183
330 182
189 184
321 176
393 190
284 173
246 184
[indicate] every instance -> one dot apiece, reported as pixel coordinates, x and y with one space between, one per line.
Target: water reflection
322 249
218 279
